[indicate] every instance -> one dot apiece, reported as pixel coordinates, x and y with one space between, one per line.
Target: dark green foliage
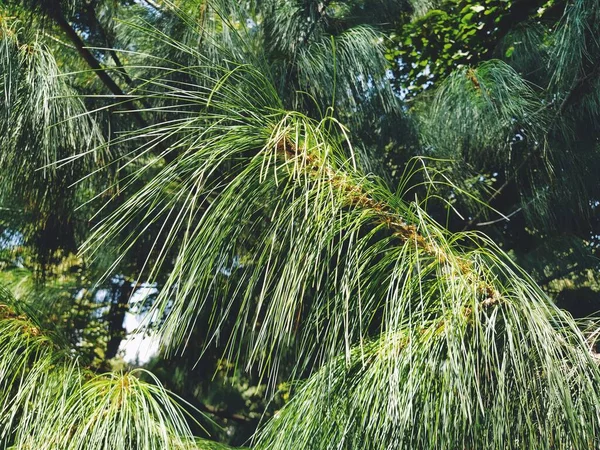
454 34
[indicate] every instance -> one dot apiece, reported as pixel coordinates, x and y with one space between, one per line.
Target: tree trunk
120 293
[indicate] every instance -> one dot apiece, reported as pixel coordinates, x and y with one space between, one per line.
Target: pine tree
250 179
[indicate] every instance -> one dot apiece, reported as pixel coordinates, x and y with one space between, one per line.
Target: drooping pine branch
408 334
48 401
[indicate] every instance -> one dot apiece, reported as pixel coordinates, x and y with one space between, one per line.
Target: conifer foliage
241 164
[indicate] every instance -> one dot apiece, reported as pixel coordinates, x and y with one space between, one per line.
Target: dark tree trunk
120 293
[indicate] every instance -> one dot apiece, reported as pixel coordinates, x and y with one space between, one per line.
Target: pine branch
95 65
225 414
48 401
110 44
581 86
153 5
358 198
322 10
496 193
409 337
